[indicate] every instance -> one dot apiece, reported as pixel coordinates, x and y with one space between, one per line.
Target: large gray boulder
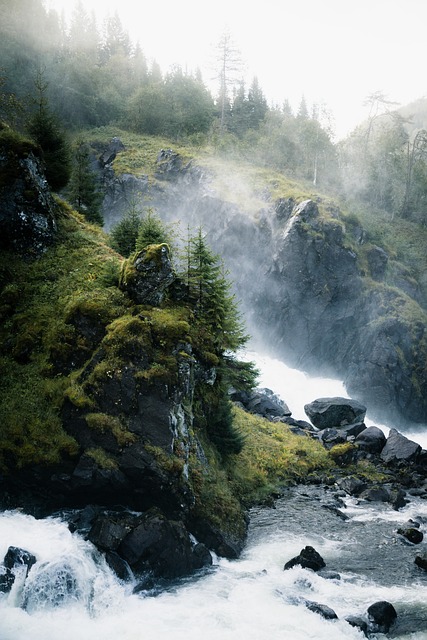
335 412
399 449
371 440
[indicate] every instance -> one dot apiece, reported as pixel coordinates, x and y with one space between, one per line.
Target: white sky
334 52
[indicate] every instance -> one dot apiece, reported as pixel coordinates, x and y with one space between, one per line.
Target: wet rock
351 485
359 623
421 560
371 440
399 449
335 412
376 494
329 575
16 557
108 531
119 566
161 546
334 509
412 534
7 578
322 609
308 558
382 616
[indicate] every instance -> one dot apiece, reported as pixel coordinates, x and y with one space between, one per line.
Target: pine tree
210 292
46 132
151 231
83 192
124 234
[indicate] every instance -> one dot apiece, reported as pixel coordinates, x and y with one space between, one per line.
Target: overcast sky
334 52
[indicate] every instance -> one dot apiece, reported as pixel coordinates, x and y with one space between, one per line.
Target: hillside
342 292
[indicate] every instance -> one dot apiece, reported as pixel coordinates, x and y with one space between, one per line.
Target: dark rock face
27 208
308 558
399 449
18 557
335 412
161 546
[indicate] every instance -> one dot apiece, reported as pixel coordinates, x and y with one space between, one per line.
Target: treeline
94 75
89 75
384 161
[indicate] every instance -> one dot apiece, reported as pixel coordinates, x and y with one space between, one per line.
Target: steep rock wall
305 294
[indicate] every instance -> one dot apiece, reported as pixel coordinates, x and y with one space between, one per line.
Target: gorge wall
312 290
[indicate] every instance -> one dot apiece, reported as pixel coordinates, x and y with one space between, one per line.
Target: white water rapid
71 594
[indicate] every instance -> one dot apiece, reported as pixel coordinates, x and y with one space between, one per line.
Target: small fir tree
83 191
46 132
151 230
124 234
210 292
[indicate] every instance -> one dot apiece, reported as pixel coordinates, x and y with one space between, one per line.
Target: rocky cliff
101 369
313 290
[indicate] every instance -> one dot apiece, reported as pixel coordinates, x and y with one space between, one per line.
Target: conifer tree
83 191
124 234
151 231
45 131
210 292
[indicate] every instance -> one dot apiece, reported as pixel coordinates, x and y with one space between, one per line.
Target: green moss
102 459
103 422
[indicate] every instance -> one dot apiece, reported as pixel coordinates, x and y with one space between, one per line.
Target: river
71 594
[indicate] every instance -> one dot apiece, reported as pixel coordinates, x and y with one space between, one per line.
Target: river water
71 594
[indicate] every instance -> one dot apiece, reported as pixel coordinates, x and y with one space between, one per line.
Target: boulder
308 558
335 412
161 546
351 485
119 566
421 560
263 402
109 530
412 534
358 623
399 449
322 609
371 440
148 275
382 616
16 557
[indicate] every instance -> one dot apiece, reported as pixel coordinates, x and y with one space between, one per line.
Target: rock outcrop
312 288
28 211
